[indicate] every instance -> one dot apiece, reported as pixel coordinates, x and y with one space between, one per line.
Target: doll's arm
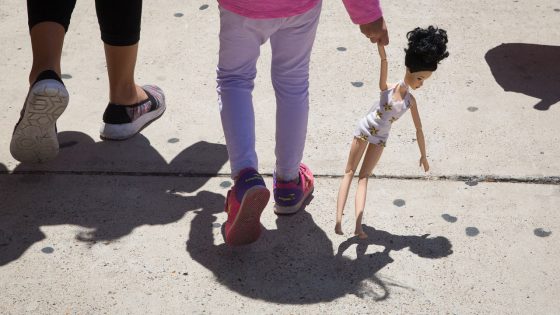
383 71
419 134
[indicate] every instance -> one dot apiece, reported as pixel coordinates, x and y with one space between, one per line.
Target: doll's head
426 48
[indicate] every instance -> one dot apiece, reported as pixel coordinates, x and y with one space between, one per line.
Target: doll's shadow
104 206
295 263
423 246
530 69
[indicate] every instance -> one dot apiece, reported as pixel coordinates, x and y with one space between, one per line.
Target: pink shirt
361 11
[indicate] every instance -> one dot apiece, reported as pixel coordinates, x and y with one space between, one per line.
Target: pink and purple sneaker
245 203
290 196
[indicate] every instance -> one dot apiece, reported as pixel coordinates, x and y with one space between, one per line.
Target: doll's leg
356 152
373 153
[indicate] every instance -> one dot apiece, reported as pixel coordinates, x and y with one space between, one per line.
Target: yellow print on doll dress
376 124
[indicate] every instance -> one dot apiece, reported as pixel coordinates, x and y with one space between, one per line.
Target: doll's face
416 79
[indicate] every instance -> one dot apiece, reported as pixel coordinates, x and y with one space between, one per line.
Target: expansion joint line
468 179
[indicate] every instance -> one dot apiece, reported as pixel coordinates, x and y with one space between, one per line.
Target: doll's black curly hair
426 48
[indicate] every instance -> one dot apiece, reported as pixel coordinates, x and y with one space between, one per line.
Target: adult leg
34 138
48 22
131 107
356 152
119 22
47 39
373 153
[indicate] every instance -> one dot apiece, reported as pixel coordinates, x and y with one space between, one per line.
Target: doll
426 48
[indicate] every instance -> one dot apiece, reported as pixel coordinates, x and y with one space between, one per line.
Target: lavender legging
291 40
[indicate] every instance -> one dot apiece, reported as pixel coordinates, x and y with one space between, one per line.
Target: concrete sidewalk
135 226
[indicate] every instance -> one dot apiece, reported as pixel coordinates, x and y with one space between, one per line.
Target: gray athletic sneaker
34 139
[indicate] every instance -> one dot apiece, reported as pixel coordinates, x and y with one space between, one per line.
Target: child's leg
356 152
291 50
240 41
373 153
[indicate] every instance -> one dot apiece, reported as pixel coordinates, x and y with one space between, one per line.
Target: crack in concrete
472 180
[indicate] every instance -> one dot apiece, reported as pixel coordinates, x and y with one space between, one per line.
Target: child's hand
424 162
376 31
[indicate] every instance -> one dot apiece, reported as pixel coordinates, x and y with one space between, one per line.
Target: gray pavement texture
134 227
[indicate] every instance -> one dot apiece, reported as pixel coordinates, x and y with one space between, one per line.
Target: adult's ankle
37 71
127 94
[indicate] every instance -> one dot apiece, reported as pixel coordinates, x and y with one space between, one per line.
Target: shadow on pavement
105 207
295 263
79 152
530 69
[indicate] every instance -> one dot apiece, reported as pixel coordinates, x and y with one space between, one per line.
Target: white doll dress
374 127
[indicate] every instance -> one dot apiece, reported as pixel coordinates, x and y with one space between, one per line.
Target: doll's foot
338 229
361 234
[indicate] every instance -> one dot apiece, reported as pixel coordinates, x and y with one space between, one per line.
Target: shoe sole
246 228
120 132
34 139
295 208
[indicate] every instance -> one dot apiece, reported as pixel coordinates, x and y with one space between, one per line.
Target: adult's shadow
108 203
295 263
79 153
530 69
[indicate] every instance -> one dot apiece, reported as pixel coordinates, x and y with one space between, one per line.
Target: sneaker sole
246 227
34 139
125 131
295 208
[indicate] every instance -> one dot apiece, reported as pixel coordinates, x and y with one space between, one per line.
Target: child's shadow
295 263
105 201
